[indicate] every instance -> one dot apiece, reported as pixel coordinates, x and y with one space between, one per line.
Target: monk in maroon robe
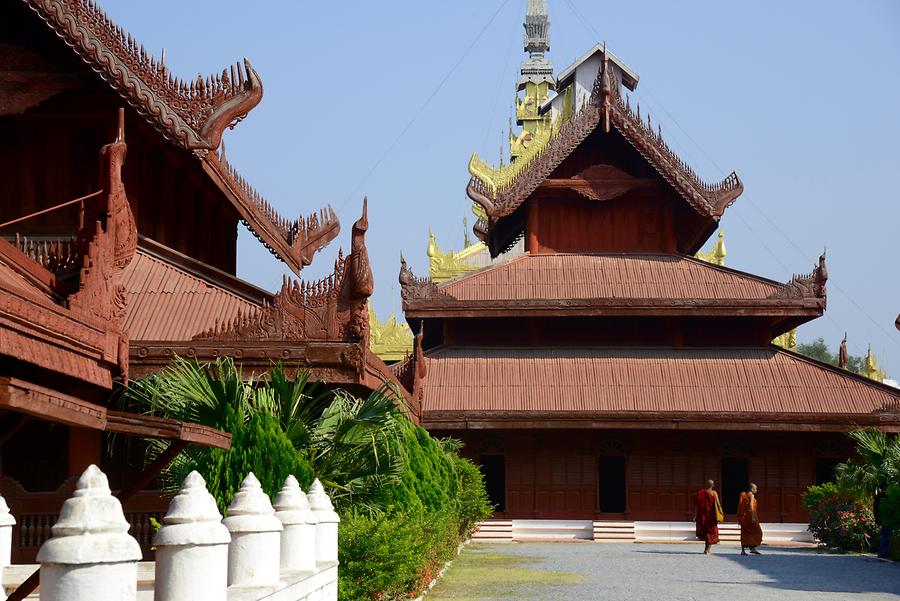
708 510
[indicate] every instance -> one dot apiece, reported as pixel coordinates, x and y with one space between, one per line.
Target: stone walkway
639 572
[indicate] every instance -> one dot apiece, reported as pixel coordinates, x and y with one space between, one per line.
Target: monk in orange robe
708 510
751 532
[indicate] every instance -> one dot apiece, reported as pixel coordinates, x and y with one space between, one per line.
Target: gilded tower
535 79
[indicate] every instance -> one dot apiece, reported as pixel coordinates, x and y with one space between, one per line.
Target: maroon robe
707 524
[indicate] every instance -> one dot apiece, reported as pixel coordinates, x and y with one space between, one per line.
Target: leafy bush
474 505
844 522
258 445
890 507
816 494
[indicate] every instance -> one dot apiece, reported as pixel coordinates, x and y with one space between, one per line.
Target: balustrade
255 553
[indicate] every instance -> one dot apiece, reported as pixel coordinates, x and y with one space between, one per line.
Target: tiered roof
191 114
699 388
606 108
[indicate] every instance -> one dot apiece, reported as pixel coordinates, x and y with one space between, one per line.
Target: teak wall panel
633 224
50 155
553 473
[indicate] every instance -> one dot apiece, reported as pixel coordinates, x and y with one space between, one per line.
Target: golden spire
871 369
390 340
443 266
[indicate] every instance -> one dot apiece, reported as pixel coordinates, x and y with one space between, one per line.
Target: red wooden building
606 372
66 71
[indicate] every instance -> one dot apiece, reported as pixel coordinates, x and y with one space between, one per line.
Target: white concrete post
326 523
192 547
298 541
90 556
6 523
254 554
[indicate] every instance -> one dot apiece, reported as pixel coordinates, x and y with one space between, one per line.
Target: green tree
878 465
818 349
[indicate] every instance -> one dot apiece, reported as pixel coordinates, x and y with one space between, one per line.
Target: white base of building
629 532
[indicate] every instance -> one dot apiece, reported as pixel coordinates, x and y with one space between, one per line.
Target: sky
389 100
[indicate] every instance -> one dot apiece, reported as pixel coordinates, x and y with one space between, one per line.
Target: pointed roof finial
536 69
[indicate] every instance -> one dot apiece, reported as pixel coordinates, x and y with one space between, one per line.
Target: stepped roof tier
322 326
594 120
190 114
614 284
670 388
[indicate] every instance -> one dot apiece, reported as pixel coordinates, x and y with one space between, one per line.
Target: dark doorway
612 484
735 479
493 468
825 469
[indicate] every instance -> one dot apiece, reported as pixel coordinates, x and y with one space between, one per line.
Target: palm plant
878 464
349 442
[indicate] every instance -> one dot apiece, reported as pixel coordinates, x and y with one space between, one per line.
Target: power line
421 109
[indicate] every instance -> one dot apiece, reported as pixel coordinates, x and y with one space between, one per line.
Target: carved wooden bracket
415 288
810 285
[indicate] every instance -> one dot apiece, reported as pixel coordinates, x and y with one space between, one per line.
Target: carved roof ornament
843 356
295 241
412 370
809 285
416 288
193 114
500 198
717 255
106 241
331 309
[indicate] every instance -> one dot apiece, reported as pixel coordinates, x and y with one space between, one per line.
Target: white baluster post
90 556
254 554
6 523
298 541
192 547
326 523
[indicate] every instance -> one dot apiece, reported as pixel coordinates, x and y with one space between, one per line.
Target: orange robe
751 532
707 524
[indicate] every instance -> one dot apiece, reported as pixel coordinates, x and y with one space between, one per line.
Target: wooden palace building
109 273
605 372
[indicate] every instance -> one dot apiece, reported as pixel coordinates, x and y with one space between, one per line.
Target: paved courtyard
638 572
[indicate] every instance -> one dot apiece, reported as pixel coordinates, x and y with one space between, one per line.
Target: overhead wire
591 29
421 108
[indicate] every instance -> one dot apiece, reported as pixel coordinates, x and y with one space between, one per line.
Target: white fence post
326 523
298 541
90 556
192 547
6 523
254 554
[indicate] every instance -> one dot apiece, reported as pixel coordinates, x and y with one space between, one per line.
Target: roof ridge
835 369
193 114
295 241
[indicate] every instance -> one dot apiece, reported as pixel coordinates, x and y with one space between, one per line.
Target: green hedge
258 445
439 500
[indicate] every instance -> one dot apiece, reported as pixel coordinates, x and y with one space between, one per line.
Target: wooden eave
39 331
642 420
51 405
805 308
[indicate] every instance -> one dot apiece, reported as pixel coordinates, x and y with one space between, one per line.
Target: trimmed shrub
258 445
815 495
890 507
843 522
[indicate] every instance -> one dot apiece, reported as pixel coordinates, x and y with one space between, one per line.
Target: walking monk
751 532
709 514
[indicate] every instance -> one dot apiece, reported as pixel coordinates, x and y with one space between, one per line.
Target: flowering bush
843 522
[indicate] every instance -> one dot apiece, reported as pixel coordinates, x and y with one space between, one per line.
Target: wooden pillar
85 447
531 228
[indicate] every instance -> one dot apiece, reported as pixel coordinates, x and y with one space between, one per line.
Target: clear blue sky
800 98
